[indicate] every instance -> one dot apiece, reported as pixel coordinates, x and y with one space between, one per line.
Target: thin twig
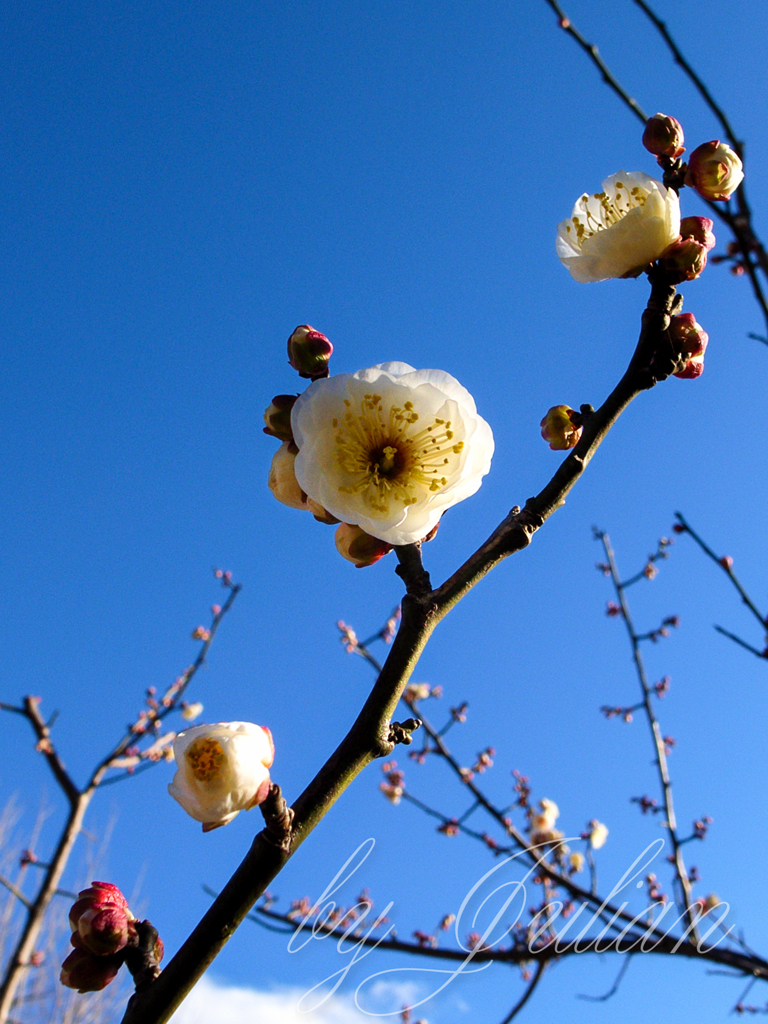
16 891
741 643
613 989
658 741
725 566
594 55
540 968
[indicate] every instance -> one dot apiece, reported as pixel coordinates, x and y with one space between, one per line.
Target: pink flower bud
714 170
358 547
99 895
103 929
684 260
559 430
690 340
699 229
309 352
282 477
663 136
88 973
277 417
726 561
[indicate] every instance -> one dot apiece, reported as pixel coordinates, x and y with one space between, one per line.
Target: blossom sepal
714 171
222 769
277 417
309 352
359 547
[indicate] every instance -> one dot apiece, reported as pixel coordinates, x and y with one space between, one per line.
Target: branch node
278 817
411 570
401 732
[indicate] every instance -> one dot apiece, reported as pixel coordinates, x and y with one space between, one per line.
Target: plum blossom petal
390 448
222 769
619 231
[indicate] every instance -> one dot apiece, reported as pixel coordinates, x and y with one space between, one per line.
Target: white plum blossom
619 231
597 835
545 820
390 448
222 769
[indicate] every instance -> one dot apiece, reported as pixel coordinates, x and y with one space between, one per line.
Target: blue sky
186 182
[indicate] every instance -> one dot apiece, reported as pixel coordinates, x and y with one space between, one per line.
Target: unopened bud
277 417
103 930
88 973
559 430
690 340
684 260
282 477
663 136
358 547
100 895
714 170
309 352
699 229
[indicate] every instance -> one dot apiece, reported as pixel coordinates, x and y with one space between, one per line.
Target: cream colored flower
597 835
390 448
222 769
577 862
191 711
545 820
619 231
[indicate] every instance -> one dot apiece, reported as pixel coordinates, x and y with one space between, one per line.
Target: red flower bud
559 430
99 895
714 170
699 229
88 973
663 136
690 340
359 547
684 260
277 417
104 930
309 352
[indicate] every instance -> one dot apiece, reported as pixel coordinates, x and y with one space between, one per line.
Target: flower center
603 209
389 459
205 757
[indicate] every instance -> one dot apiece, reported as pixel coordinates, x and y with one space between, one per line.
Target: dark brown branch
725 566
613 989
540 968
704 92
741 643
594 55
31 711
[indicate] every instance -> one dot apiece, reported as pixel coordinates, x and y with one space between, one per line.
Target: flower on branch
222 769
390 448
597 835
543 822
618 232
714 171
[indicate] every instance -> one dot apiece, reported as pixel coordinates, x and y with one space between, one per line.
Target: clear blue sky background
186 182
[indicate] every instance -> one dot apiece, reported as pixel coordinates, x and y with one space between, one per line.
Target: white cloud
214 1003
